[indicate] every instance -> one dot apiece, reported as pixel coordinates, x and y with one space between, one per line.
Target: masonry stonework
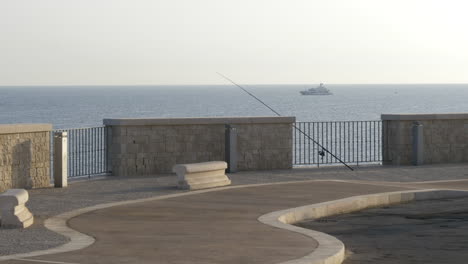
152 146
445 138
24 156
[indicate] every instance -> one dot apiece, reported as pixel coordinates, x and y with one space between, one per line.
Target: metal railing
87 151
353 142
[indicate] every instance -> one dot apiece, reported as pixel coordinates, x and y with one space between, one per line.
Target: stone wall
445 138
152 146
24 156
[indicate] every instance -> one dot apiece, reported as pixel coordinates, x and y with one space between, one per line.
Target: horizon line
152 85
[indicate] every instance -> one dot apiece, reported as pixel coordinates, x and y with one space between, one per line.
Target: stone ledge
24 128
198 121
417 117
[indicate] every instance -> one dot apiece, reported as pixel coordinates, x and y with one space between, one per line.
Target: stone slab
202 175
200 167
198 121
24 128
409 116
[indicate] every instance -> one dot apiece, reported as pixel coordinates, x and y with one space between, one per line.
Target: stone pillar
418 144
231 148
60 159
13 208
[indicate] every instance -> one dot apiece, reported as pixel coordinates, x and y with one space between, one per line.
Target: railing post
60 159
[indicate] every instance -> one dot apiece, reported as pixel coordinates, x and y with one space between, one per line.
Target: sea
86 106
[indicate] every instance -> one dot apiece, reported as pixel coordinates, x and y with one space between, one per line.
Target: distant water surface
83 106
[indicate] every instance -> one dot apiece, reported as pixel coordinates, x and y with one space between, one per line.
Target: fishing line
278 114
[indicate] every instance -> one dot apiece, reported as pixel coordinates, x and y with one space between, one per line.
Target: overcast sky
126 42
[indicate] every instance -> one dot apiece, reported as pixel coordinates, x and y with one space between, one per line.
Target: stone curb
330 250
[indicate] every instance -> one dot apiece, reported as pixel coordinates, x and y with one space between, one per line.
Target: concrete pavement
213 227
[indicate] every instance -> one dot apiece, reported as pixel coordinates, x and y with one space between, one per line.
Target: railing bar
77 154
300 145
88 151
104 147
308 143
321 141
373 140
369 141
100 150
326 141
380 140
79 136
91 152
295 145
73 139
83 150
363 143
94 160
335 142
351 141
81 153
69 161
304 140
314 146
97 148
316 134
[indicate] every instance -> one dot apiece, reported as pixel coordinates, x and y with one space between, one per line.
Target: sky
155 42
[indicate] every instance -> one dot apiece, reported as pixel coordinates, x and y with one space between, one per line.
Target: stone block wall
445 138
24 156
153 146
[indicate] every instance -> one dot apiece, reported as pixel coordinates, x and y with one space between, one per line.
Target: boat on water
319 90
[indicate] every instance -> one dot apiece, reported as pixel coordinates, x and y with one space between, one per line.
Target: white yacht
319 90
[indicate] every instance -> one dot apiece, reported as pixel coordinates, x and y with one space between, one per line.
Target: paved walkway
215 227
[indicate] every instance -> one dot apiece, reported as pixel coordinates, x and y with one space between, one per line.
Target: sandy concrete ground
420 232
216 227
47 202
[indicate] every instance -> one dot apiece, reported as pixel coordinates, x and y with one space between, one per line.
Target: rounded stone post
60 159
418 144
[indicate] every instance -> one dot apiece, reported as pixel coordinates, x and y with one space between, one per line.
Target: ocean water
86 106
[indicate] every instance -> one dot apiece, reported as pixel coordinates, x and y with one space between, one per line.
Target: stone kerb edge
330 250
24 128
198 121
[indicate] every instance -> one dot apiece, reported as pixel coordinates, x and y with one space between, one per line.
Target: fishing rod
278 114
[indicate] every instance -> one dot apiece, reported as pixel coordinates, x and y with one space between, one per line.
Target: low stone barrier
15 214
202 175
444 138
24 156
149 146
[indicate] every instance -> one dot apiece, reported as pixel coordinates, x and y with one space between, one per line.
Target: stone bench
201 175
14 213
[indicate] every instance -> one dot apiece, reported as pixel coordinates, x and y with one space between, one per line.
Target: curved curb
79 240
330 250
